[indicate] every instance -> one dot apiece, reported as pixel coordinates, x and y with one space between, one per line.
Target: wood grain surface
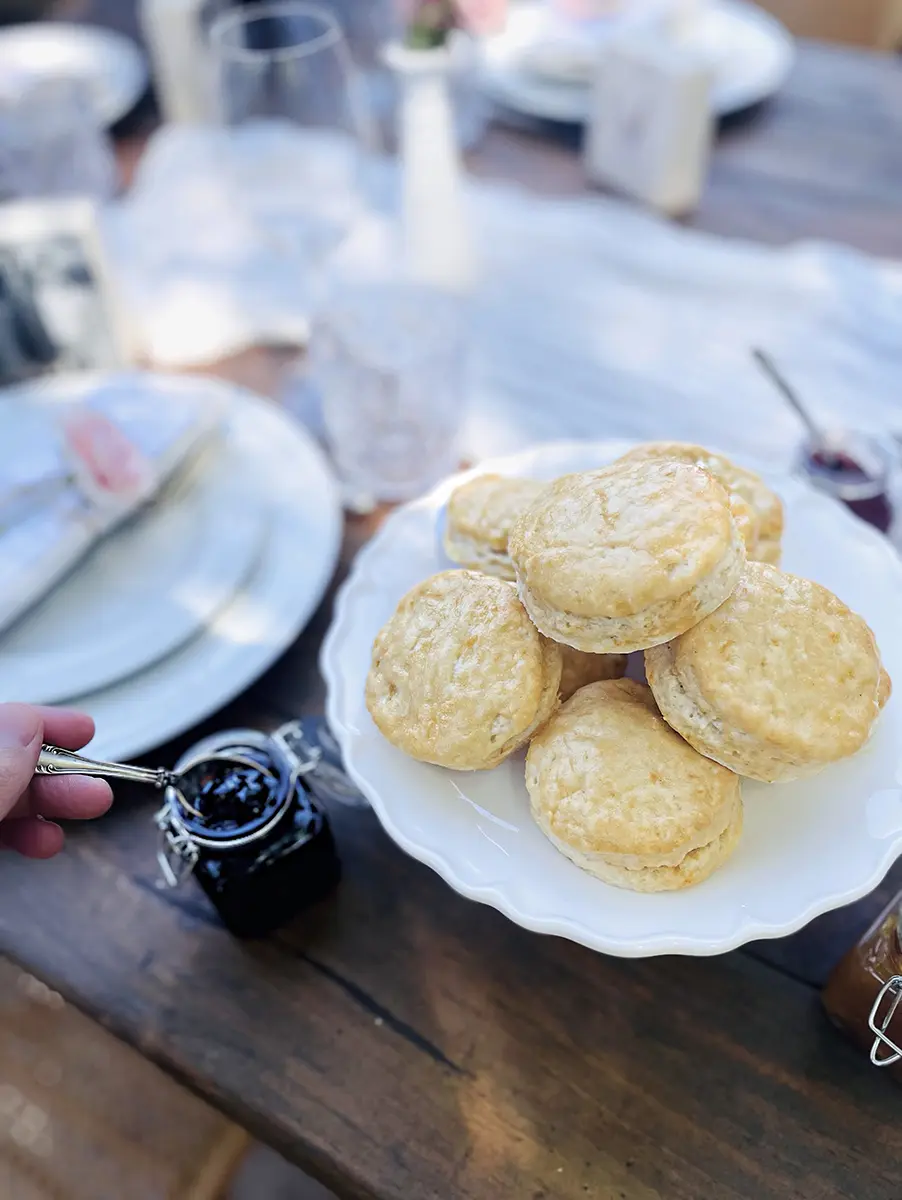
401 1043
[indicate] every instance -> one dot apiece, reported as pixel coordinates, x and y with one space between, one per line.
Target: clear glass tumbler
387 357
52 144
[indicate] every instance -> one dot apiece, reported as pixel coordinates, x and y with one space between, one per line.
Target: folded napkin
76 463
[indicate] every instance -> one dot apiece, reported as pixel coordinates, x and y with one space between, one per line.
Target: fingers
21 728
32 837
25 800
67 798
67 728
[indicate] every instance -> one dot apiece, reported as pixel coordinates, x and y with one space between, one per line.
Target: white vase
182 60
438 243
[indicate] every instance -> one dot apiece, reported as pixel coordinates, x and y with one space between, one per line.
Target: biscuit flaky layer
460 676
627 556
697 865
757 509
780 681
617 791
479 518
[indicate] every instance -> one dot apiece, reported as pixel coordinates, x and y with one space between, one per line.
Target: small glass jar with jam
855 469
245 825
863 996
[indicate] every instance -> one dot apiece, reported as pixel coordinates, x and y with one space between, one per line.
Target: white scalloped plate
807 847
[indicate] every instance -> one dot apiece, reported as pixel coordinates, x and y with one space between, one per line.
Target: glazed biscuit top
485 508
786 661
744 512
610 777
613 541
459 667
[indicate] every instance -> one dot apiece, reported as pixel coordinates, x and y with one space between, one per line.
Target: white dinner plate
807 846
110 64
147 588
280 460
751 51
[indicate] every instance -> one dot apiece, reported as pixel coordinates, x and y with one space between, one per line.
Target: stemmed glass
288 88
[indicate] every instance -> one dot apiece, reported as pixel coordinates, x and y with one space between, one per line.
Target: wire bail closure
179 848
891 990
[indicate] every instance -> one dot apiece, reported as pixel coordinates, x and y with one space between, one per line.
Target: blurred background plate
281 460
807 846
111 65
752 52
150 586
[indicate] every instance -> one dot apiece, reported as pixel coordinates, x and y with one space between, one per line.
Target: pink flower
110 465
482 16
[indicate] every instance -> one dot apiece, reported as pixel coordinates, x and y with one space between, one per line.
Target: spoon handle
55 761
789 394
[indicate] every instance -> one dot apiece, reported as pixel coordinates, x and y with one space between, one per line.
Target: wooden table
402 1043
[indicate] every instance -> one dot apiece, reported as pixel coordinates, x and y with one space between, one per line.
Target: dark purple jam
289 861
861 491
231 797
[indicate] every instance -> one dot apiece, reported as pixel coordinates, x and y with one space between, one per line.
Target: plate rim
570 105
115 103
747 930
253 664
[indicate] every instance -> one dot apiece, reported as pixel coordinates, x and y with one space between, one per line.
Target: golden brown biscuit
885 690
460 676
757 510
626 557
622 796
780 681
580 669
478 521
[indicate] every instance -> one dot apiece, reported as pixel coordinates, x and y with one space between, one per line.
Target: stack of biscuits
671 551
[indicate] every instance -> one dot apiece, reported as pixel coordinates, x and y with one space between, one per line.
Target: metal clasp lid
892 991
177 853
179 848
311 742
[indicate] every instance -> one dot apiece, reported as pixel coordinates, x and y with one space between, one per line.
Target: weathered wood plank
403 1042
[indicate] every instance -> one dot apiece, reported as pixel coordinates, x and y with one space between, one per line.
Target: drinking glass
387 359
51 142
287 86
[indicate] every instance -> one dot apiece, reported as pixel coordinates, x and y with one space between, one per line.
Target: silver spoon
53 760
767 365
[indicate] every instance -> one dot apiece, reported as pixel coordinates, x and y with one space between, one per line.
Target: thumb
21 729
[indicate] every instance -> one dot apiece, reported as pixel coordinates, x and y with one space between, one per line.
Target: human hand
29 805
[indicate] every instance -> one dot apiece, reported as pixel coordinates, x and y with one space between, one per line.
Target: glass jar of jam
855 469
244 824
863 996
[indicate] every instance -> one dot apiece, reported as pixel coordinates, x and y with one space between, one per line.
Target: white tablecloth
591 318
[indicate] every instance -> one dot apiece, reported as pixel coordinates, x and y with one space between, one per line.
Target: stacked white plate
182 607
542 65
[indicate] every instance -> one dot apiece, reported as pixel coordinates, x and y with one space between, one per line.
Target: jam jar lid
237 803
